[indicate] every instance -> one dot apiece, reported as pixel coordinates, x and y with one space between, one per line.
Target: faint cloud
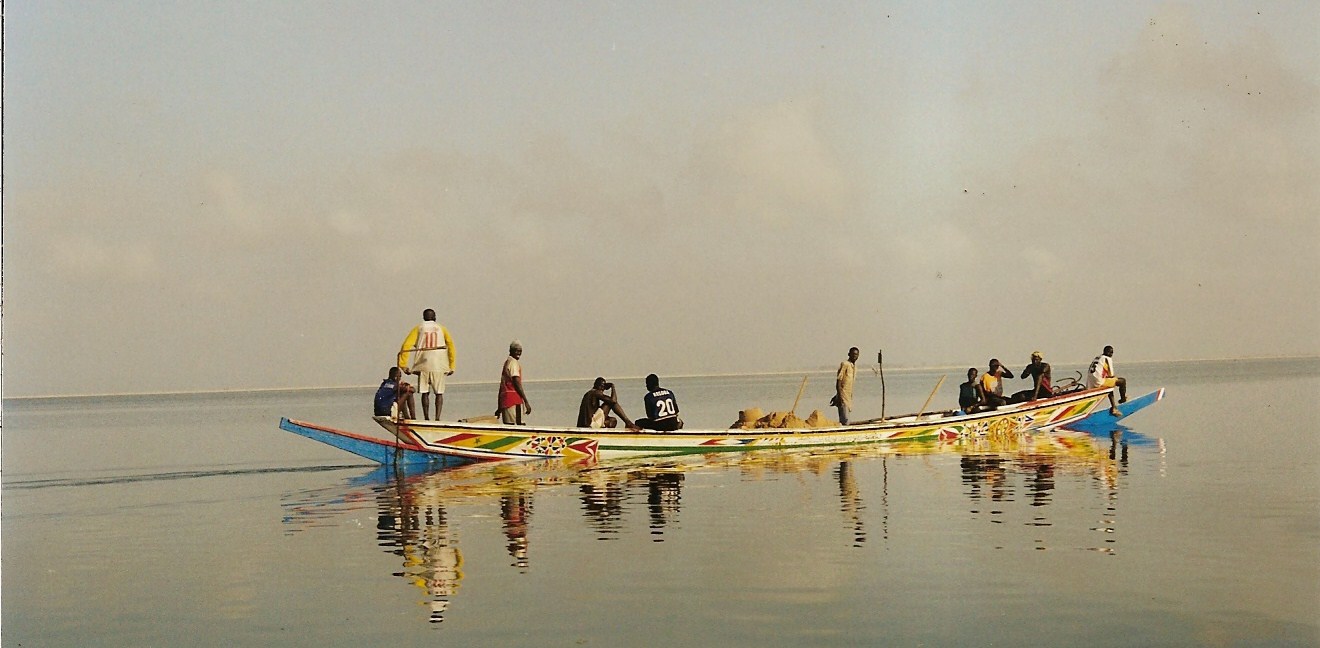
772 165
228 192
527 234
938 243
349 224
1216 136
83 259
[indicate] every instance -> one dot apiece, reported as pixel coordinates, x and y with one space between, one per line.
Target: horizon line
905 369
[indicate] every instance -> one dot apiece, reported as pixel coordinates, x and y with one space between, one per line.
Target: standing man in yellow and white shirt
424 344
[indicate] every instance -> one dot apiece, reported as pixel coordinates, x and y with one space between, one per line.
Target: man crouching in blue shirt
393 391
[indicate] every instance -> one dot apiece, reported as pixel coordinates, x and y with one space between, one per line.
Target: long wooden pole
932 395
799 396
880 359
433 348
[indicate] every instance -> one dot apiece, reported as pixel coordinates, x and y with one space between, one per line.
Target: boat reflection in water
604 492
414 511
1040 459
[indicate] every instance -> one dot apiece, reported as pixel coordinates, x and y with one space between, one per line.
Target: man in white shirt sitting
1101 374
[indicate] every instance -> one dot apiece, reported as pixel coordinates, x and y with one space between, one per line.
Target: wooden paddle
932 395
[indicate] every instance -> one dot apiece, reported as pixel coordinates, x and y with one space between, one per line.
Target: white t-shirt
429 336
1101 368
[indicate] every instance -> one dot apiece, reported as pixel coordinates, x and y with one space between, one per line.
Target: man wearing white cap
513 401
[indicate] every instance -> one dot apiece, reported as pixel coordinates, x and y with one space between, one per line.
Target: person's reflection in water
663 496
441 563
1042 482
421 536
1116 441
850 498
602 505
971 475
997 477
988 470
516 510
396 519
1109 472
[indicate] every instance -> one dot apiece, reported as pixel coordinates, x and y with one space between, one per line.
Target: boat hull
496 442
387 452
1102 421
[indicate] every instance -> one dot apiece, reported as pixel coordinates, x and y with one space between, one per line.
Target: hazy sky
214 195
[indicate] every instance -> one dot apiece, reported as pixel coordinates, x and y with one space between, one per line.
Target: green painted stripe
510 441
503 442
752 448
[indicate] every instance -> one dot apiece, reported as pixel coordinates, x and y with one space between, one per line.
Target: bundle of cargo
753 418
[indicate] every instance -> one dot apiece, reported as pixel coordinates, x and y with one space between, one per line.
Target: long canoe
451 443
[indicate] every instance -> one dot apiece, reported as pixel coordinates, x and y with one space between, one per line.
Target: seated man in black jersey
661 408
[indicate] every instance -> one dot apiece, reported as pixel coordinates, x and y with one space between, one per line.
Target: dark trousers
661 425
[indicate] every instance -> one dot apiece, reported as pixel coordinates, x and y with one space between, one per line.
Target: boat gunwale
408 425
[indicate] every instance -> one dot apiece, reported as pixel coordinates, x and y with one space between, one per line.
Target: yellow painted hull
489 441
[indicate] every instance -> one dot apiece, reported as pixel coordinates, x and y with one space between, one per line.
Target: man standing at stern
424 344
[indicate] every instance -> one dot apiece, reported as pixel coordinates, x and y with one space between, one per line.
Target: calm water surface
193 520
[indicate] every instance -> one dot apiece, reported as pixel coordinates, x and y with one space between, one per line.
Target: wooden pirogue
452 443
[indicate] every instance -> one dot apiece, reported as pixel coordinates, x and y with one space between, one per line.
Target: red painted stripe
458 438
388 442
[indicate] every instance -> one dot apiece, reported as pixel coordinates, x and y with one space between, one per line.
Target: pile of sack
753 418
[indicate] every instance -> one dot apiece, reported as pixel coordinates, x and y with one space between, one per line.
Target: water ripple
165 476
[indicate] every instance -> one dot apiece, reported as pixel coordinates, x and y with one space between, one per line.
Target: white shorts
431 381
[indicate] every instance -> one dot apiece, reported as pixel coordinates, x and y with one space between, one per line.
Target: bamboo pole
932 395
880 359
799 395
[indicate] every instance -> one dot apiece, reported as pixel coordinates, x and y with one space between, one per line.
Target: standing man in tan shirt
843 385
